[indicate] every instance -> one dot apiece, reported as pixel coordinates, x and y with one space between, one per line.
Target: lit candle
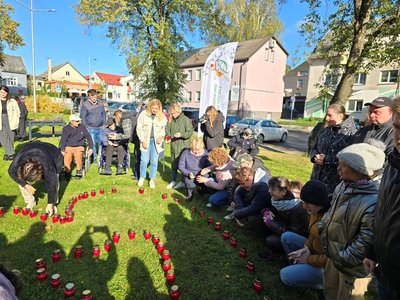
156 240
40 263
85 195
96 251
116 237
43 217
164 196
114 190
87 295
25 211
107 245
166 265
170 276
160 248
33 214
165 255
41 274
55 218
16 210
141 191
102 191
93 193
131 234
147 235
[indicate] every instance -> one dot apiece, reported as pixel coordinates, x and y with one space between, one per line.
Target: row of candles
257 284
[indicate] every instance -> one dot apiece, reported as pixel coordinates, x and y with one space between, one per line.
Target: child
108 133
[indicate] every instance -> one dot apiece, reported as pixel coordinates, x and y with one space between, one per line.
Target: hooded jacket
346 230
182 125
214 136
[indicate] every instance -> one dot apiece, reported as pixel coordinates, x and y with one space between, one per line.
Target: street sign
58 88
293 101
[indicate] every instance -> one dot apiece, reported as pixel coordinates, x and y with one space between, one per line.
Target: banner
216 81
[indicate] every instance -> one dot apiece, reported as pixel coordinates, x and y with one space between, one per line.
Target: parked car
264 130
228 122
192 114
124 106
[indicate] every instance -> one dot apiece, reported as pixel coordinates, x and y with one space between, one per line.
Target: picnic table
53 123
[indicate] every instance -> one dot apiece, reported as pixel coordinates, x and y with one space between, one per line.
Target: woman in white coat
150 129
9 121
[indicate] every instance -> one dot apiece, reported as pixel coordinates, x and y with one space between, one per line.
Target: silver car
124 106
264 130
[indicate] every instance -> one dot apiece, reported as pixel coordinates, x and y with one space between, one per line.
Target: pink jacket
224 175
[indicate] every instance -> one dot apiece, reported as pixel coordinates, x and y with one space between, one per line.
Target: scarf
282 205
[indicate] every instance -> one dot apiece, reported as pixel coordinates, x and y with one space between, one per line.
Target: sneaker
107 171
78 173
230 208
209 205
229 217
171 185
152 184
140 181
179 185
120 170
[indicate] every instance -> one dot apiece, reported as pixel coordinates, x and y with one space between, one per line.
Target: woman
180 130
346 230
330 141
305 254
9 121
150 129
212 125
191 162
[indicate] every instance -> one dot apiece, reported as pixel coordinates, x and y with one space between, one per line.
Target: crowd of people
339 226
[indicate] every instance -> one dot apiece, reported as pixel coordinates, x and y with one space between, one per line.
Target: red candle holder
56 255
63 220
96 251
69 289
102 191
250 266
160 248
147 235
55 280
202 214
93 193
226 235
170 276
193 209
80 196
74 200
131 234
107 245
116 237
164 196
257 285
41 274
217 226
16 210
43 217
243 253
33 214
85 195
174 293
70 218
233 242
210 220
156 240
1 211
25 211
168 138
165 255
40 263
87 295
114 190
55 218
141 191
78 251
166 265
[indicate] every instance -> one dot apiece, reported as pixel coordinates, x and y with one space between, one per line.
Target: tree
245 20
8 30
151 34
357 36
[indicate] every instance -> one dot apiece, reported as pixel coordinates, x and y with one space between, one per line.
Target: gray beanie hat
363 158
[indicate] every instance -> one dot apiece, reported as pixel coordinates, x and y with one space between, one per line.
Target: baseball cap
241 159
248 132
380 102
75 117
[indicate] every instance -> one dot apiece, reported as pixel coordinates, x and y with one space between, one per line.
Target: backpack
132 116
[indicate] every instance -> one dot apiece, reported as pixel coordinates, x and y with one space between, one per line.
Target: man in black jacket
38 160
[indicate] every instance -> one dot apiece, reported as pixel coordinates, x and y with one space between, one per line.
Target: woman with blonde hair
151 125
212 125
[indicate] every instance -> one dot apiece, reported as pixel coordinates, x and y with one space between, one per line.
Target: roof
110 79
57 67
305 65
13 64
245 50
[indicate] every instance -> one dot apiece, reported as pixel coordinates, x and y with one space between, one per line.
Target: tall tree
8 30
245 20
357 36
151 33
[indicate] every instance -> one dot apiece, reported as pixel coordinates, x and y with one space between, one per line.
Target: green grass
206 267
300 122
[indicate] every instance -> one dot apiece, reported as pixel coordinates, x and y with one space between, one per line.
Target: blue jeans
146 156
219 198
299 275
95 133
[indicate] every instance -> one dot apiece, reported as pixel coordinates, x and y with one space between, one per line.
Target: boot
120 170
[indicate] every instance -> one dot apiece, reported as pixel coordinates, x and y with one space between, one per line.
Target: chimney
49 69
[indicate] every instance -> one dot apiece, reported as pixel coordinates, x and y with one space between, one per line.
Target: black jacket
214 136
75 136
253 202
238 144
49 156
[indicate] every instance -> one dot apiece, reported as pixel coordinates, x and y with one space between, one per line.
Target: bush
44 104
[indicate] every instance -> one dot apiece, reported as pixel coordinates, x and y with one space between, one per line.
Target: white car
264 130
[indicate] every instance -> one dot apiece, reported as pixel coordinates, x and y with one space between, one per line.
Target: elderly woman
150 129
212 125
346 230
180 130
191 162
330 141
9 121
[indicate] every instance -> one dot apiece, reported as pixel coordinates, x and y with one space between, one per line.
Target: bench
52 123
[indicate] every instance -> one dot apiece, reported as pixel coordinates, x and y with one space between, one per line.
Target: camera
203 118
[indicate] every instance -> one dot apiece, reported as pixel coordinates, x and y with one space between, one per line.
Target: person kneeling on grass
222 166
305 254
34 161
108 135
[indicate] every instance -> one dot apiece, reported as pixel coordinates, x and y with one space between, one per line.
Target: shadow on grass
7 202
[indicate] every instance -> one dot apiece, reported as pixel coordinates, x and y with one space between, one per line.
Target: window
197 97
355 105
269 55
331 79
109 95
299 83
389 76
12 81
198 74
266 124
297 94
67 73
189 75
189 96
361 78
302 73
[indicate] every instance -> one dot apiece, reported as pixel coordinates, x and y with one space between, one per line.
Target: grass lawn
205 265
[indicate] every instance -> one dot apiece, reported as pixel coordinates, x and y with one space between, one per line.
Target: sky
59 36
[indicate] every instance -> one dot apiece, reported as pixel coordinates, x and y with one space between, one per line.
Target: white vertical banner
216 80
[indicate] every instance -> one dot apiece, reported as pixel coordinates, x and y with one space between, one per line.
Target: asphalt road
296 143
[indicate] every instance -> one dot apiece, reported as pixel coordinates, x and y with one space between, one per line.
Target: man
382 260
34 161
72 144
93 115
380 128
243 142
261 172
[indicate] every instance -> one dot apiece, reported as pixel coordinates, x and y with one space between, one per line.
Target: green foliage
308 122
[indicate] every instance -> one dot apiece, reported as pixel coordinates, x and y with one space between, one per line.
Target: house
116 87
302 82
257 78
13 74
